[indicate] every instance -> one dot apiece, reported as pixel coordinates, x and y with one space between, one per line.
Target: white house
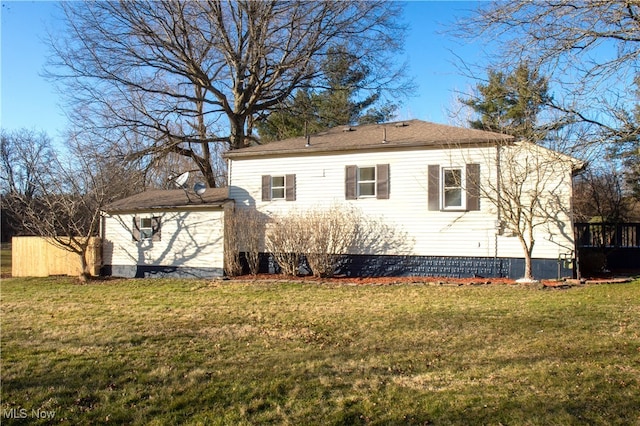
165 233
453 202
436 188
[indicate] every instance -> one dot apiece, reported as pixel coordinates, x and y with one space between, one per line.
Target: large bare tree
185 75
588 49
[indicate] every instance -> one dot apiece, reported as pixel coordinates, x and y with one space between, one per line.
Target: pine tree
337 103
511 103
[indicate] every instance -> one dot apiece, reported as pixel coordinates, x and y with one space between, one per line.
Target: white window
146 228
277 187
367 181
452 190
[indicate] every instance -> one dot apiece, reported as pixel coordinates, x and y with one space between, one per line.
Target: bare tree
588 49
25 155
599 195
530 192
67 198
184 75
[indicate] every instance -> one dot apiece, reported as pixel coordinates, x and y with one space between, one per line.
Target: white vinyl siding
189 239
321 183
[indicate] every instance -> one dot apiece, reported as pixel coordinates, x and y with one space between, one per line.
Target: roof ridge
412 133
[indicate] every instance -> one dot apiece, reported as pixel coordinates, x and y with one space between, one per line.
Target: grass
5 262
196 352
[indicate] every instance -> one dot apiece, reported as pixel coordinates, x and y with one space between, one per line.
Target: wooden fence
38 257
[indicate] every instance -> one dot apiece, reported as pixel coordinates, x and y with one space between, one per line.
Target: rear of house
430 185
165 233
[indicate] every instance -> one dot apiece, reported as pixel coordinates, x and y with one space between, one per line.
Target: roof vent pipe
307 135
384 134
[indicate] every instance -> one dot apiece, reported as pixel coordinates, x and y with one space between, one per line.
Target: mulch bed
442 281
378 280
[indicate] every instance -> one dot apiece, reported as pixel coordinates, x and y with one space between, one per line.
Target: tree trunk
528 275
85 275
528 252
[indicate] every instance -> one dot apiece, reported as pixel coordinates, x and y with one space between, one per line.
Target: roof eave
188 207
365 148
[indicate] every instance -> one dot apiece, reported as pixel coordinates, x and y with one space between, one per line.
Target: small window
452 188
146 228
366 181
277 187
282 187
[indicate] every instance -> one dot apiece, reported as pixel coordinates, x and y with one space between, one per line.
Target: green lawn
5 262
195 352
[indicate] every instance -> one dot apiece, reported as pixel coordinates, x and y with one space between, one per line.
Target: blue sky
28 100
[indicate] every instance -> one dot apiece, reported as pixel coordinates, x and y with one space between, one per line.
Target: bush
332 233
244 230
322 236
285 240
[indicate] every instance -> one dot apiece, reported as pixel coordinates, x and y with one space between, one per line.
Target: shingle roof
411 133
172 198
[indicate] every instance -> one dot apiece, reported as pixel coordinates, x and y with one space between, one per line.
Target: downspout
498 224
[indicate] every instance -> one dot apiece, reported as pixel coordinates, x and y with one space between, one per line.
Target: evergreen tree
336 103
511 103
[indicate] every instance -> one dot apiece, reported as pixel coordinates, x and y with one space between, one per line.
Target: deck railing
605 235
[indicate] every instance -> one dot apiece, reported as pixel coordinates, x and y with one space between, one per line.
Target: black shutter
473 186
382 181
266 188
433 187
135 229
290 187
350 183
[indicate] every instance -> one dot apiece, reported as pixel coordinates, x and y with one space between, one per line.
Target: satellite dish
199 188
182 179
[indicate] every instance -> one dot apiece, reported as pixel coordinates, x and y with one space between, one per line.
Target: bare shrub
322 236
331 233
249 232
325 236
244 230
232 265
285 239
